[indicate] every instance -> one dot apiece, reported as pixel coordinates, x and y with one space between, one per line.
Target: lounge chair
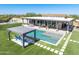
18 37
29 40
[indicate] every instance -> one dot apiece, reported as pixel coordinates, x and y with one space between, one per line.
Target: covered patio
23 31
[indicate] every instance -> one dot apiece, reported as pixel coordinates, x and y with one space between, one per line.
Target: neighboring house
76 23
16 20
53 15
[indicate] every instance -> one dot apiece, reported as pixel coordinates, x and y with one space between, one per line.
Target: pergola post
9 35
35 34
23 41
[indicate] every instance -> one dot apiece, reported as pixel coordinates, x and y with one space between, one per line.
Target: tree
74 16
32 15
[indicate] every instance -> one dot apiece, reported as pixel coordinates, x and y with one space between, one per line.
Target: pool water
41 36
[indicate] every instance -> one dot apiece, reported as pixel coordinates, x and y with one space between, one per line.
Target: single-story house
61 23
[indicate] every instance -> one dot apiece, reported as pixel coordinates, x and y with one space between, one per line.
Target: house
60 23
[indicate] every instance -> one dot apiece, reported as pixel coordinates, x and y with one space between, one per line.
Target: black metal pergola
22 30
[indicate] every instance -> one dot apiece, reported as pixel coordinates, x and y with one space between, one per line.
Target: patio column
9 35
56 25
67 27
27 21
23 20
47 23
38 22
51 23
35 22
44 22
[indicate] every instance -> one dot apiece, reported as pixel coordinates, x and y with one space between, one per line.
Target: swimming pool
40 35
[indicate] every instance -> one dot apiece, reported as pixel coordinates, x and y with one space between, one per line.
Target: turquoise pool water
40 35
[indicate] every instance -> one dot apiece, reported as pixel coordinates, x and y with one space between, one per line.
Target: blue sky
39 8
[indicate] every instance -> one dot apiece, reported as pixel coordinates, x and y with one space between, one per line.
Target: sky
39 8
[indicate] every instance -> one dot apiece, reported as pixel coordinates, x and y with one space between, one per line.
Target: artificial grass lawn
75 35
10 48
73 48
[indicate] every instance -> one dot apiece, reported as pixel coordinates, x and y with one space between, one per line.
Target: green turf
73 48
75 35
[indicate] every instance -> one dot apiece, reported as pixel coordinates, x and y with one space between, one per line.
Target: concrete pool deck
48 30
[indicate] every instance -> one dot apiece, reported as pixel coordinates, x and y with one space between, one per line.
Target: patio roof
50 18
21 29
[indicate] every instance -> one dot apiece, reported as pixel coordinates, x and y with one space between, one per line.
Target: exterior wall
16 20
25 21
61 25
50 24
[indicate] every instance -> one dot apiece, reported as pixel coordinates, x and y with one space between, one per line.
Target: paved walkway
65 45
47 48
74 41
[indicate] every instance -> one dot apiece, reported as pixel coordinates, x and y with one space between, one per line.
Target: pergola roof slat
21 29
